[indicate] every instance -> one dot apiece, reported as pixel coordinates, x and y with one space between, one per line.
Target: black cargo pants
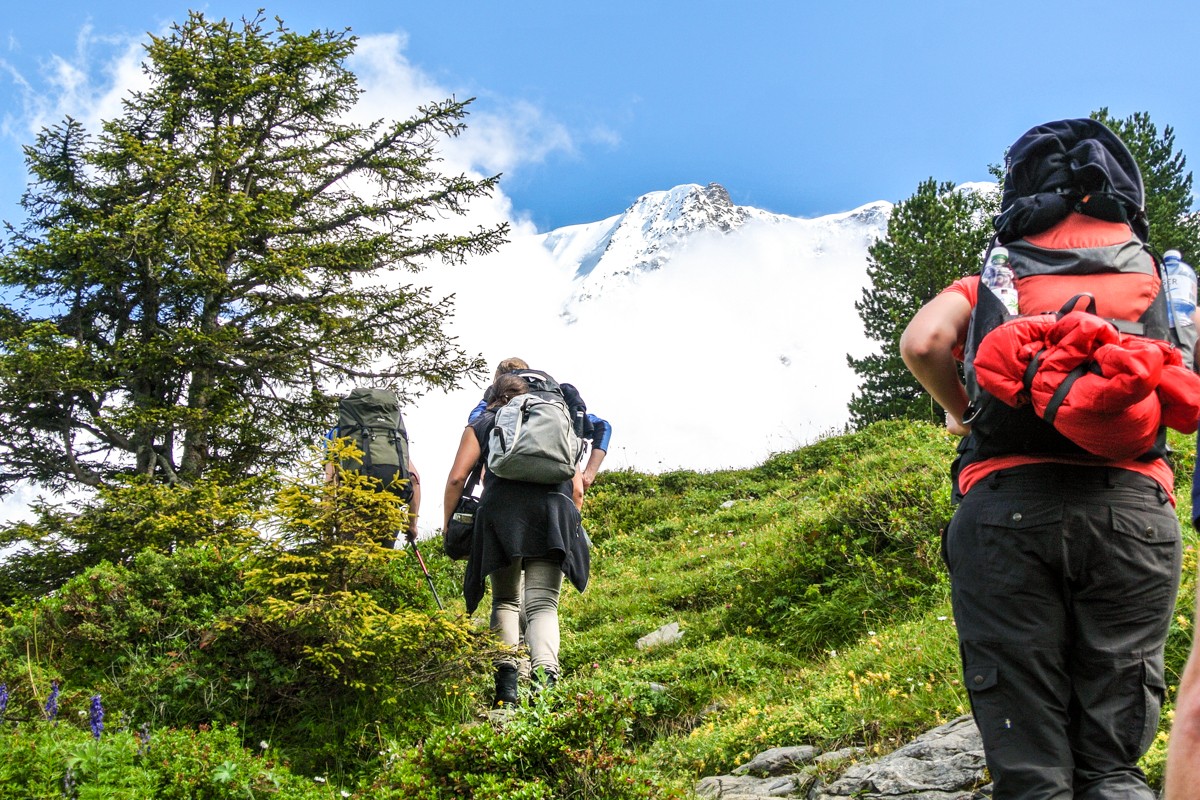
1063 585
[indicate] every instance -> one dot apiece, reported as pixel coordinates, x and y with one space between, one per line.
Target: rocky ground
945 763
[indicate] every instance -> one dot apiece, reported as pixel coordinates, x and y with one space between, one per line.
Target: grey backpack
533 440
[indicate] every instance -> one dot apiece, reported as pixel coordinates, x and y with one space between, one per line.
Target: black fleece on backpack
1053 166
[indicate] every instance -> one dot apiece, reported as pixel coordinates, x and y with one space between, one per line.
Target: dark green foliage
872 556
307 638
820 455
187 283
42 761
806 551
933 238
627 502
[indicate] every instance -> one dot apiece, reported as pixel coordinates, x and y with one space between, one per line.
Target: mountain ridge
615 252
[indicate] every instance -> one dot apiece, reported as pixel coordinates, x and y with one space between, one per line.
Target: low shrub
563 744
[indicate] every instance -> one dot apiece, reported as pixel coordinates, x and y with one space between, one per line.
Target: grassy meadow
809 590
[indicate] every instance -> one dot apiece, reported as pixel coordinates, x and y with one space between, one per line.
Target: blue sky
796 107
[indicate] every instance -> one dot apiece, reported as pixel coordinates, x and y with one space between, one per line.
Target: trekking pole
428 577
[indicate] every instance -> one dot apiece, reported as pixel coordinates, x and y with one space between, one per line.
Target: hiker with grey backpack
527 524
594 431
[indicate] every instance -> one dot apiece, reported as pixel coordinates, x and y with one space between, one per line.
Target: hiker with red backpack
1064 549
527 531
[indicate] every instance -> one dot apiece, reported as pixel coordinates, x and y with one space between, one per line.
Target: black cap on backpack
1069 165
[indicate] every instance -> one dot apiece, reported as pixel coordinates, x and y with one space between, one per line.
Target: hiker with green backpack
527 527
370 419
1064 550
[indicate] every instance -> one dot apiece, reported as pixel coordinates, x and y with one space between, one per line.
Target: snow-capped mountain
645 236
614 253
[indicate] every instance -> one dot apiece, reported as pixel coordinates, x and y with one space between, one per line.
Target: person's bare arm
927 347
456 482
1183 750
414 505
577 489
595 459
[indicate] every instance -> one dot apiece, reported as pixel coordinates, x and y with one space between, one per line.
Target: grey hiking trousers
1063 582
537 598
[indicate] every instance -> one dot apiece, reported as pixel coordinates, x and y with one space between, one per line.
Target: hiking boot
506 686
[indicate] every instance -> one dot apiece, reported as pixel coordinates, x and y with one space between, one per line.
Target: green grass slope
809 590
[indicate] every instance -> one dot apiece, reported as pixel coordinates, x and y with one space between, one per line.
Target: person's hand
955 425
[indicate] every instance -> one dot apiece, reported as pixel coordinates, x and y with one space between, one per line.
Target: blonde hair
510 365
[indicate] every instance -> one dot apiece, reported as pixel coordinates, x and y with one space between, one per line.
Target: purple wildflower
3 699
143 738
96 718
52 703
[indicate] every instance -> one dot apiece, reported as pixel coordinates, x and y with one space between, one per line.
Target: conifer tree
188 283
1173 223
934 237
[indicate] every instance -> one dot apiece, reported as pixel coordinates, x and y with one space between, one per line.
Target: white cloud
392 87
87 84
505 141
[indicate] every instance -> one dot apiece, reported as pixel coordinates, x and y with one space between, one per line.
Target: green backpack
371 419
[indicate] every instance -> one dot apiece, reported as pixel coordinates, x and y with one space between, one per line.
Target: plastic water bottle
999 277
1181 290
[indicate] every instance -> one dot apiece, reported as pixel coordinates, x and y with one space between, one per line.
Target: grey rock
739 787
778 761
664 635
840 755
945 763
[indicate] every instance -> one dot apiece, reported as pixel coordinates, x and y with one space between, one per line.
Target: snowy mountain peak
685 209
644 238
657 227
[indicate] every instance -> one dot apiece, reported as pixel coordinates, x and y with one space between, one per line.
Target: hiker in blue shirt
596 431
